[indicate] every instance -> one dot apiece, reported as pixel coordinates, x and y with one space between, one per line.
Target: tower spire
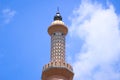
58 9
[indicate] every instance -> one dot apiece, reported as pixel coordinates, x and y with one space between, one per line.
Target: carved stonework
57 47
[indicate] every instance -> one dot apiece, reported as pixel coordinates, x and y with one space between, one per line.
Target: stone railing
59 65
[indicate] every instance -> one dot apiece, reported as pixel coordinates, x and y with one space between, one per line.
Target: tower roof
58 16
57 25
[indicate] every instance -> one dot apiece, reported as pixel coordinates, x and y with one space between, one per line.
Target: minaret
57 68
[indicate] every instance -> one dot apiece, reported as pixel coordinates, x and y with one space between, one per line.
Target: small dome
58 17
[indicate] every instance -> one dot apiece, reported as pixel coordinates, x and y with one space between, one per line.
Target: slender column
57 47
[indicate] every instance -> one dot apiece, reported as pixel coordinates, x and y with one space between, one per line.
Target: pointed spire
57 9
58 16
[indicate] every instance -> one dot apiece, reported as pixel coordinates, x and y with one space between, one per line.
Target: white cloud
99 57
8 15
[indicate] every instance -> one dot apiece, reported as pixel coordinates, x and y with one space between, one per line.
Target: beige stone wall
56 77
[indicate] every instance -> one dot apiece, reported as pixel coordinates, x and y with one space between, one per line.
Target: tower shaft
58 47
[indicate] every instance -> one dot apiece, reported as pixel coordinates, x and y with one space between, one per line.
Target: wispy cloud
8 15
98 27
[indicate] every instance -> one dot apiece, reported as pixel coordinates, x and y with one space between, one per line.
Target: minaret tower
57 68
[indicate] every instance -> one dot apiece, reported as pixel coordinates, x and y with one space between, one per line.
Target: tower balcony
57 68
57 26
58 65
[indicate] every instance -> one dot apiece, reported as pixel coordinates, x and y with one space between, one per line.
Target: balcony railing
59 65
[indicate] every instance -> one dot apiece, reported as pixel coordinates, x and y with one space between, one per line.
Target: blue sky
24 41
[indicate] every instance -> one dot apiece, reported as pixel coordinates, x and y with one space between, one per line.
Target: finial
58 16
58 9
